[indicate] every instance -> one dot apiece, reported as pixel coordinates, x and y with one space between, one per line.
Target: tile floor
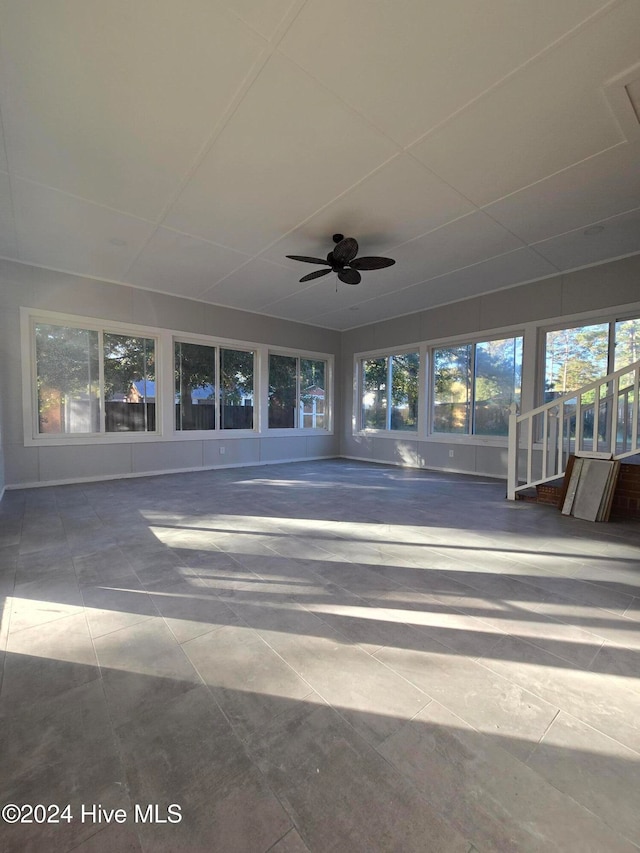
327 656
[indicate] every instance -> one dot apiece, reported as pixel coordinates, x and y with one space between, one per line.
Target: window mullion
101 391
217 394
296 422
389 387
472 391
611 354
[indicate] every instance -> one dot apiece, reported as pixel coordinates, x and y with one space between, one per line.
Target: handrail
543 438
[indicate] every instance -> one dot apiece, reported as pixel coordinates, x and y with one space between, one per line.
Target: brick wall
626 499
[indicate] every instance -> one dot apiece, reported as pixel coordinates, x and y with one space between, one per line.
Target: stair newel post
553 441
512 452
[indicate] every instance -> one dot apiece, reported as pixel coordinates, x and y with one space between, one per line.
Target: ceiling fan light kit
343 261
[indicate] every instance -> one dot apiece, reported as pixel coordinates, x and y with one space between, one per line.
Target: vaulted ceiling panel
112 101
610 238
408 65
398 202
264 16
549 116
253 286
177 263
8 245
66 233
189 147
288 150
594 189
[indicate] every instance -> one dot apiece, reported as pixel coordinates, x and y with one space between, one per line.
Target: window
626 343
574 357
236 389
92 382
195 377
452 389
297 391
579 355
312 391
129 383
474 386
397 410
195 387
67 381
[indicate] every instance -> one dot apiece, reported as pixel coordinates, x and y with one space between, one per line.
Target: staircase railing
599 420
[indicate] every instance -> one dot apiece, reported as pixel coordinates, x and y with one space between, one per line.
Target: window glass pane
236 389
627 343
282 391
574 357
67 380
404 391
195 376
452 389
497 384
374 393
312 397
129 383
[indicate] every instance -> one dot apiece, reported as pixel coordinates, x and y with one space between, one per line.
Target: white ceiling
188 146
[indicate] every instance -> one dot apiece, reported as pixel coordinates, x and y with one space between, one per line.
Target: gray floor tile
593 769
475 694
341 794
186 754
143 667
60 751
120 604
602 701
248 680
241 642
369 695
42 663
190 610
291 843
491 797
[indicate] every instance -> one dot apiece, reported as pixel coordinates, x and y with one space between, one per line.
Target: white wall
597 291
34 288
600 290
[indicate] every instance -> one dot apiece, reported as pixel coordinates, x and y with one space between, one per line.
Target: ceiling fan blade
371 263
350 276
308 260
315 274
345 251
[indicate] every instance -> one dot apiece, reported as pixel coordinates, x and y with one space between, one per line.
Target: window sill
435 438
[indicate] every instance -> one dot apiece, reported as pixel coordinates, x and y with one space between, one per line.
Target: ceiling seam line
572 33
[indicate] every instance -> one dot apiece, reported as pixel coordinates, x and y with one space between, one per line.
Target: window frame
359 392
299 354
473 343
164 342
576 322
29 319
219 344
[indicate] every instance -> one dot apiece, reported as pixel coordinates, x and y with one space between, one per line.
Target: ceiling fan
342 260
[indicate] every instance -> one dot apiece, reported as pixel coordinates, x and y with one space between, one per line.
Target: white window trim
329 380
576 321
165 391
359 378
32 438
498 440
218 432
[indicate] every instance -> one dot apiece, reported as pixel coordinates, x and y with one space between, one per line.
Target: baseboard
104 477
424 467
